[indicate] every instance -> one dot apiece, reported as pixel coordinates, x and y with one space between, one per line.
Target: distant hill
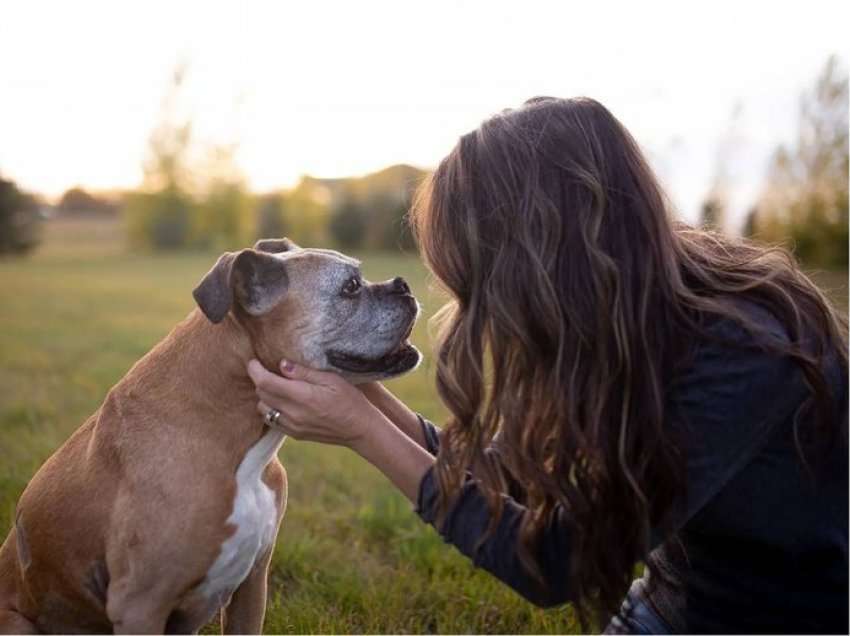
79 202
368 211
396 182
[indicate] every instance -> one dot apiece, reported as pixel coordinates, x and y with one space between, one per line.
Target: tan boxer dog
163 508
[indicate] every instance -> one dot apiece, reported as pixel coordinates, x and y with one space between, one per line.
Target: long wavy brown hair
575 299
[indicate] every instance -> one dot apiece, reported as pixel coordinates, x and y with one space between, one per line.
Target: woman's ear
256 280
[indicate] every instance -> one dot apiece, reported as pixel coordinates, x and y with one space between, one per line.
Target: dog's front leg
138 607
247 608
141 618
13 623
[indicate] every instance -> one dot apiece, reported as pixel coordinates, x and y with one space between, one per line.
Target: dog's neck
224 349
206 363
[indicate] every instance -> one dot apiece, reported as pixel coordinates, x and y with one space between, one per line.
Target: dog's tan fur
135 448
119 528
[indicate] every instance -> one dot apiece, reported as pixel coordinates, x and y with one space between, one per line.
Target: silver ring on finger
271 417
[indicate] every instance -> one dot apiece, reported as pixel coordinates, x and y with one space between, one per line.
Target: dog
163 508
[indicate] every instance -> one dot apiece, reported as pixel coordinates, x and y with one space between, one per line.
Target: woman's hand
322 407
315 406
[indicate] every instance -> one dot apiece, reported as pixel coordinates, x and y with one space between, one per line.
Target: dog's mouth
399 360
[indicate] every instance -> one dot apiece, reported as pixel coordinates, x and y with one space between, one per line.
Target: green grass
351 555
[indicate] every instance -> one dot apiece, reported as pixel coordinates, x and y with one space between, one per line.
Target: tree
388 227
223 215
750 222
271 221
161 219
19 219
160 216
76 200
713 211
806 194
348 224
167 162
308 212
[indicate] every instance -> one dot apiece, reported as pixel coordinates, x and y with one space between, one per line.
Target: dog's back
148 479
45 563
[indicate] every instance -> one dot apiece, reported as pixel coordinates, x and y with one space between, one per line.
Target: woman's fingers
299 372
275 385
291 427
263 408
284 423
314 405
263 378
277 401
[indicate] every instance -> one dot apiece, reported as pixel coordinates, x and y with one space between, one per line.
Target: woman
621 389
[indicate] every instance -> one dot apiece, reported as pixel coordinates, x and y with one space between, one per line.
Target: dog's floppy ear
275 246
256 280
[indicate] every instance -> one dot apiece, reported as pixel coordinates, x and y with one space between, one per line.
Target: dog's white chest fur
255 517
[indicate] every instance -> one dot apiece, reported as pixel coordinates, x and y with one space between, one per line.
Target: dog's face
313 307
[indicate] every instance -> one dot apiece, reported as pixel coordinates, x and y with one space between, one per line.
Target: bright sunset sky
344 88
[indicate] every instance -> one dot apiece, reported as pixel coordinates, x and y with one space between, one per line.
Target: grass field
351 555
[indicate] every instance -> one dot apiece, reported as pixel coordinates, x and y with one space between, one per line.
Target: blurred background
206 124
139 140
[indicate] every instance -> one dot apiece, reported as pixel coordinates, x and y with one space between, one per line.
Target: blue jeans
637 616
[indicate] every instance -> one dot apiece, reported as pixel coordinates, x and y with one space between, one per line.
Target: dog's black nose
400 285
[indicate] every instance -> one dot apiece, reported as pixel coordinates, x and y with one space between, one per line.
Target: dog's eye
352 286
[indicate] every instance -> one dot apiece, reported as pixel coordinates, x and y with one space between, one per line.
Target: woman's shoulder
742 366
753 335
750 324
737 396
738 364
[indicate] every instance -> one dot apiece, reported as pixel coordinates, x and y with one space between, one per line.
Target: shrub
271 221
159 220
20 227
221 218
348 225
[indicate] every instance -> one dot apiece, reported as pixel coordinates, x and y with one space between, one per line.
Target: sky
345 88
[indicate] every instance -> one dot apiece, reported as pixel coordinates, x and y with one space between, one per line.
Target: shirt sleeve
431 434
466 525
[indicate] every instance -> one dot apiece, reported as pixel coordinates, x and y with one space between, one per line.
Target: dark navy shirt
760 545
